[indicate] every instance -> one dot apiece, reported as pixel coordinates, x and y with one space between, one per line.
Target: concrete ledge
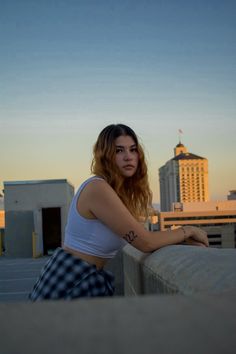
115 266
179 269
127 325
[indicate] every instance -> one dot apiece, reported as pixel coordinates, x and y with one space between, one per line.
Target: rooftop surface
43 181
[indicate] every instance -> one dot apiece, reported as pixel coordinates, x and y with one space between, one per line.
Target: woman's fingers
192 242
198 235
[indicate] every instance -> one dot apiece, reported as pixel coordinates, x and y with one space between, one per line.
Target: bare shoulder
100 194
96 189
99 186
93 193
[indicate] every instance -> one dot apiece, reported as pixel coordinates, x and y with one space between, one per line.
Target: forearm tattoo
130 236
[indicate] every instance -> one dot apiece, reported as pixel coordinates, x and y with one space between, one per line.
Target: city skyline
70 68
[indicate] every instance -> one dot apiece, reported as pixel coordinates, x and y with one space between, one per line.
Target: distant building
2 231
184 178
232 195
220 225
1 202
2 219
205 206
35 216
217 218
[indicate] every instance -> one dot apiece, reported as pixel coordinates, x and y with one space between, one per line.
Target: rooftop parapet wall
128 325
203 323
179 269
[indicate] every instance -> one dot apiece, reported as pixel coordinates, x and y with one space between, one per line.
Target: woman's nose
127 155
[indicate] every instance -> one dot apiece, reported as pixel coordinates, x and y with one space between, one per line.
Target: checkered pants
67 277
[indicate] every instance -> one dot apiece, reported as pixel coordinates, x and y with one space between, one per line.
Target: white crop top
90 236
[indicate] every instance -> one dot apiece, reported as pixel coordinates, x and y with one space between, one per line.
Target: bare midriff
97 261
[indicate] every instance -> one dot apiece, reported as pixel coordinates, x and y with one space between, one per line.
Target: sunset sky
70 67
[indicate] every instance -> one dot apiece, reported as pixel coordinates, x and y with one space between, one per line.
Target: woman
104 215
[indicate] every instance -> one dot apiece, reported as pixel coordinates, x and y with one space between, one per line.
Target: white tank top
90 236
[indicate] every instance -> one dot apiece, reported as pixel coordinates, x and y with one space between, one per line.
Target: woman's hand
195 236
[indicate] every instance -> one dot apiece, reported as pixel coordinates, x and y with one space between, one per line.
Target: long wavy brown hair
134 191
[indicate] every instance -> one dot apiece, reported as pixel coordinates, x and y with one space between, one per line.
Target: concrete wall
115 265
202 323
179 269
18 235
137 325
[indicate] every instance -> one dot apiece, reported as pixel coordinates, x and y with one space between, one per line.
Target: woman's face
126 155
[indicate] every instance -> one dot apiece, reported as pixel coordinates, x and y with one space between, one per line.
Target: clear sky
70 67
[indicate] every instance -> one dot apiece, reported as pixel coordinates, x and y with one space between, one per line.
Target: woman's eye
118 150
134 150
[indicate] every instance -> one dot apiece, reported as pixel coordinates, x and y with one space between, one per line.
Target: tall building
183 179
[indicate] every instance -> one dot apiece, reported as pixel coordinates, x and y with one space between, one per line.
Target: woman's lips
128 167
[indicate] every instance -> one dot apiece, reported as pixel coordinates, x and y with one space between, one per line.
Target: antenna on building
180 132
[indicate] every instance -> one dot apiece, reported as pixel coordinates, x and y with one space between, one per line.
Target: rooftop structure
35 214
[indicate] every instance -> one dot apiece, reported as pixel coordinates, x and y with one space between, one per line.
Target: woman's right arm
106 206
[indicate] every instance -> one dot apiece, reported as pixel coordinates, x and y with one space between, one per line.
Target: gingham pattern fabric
67 277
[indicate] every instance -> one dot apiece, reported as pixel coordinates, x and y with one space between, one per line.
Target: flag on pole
180 132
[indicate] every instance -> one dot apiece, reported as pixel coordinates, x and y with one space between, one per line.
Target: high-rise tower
183 179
